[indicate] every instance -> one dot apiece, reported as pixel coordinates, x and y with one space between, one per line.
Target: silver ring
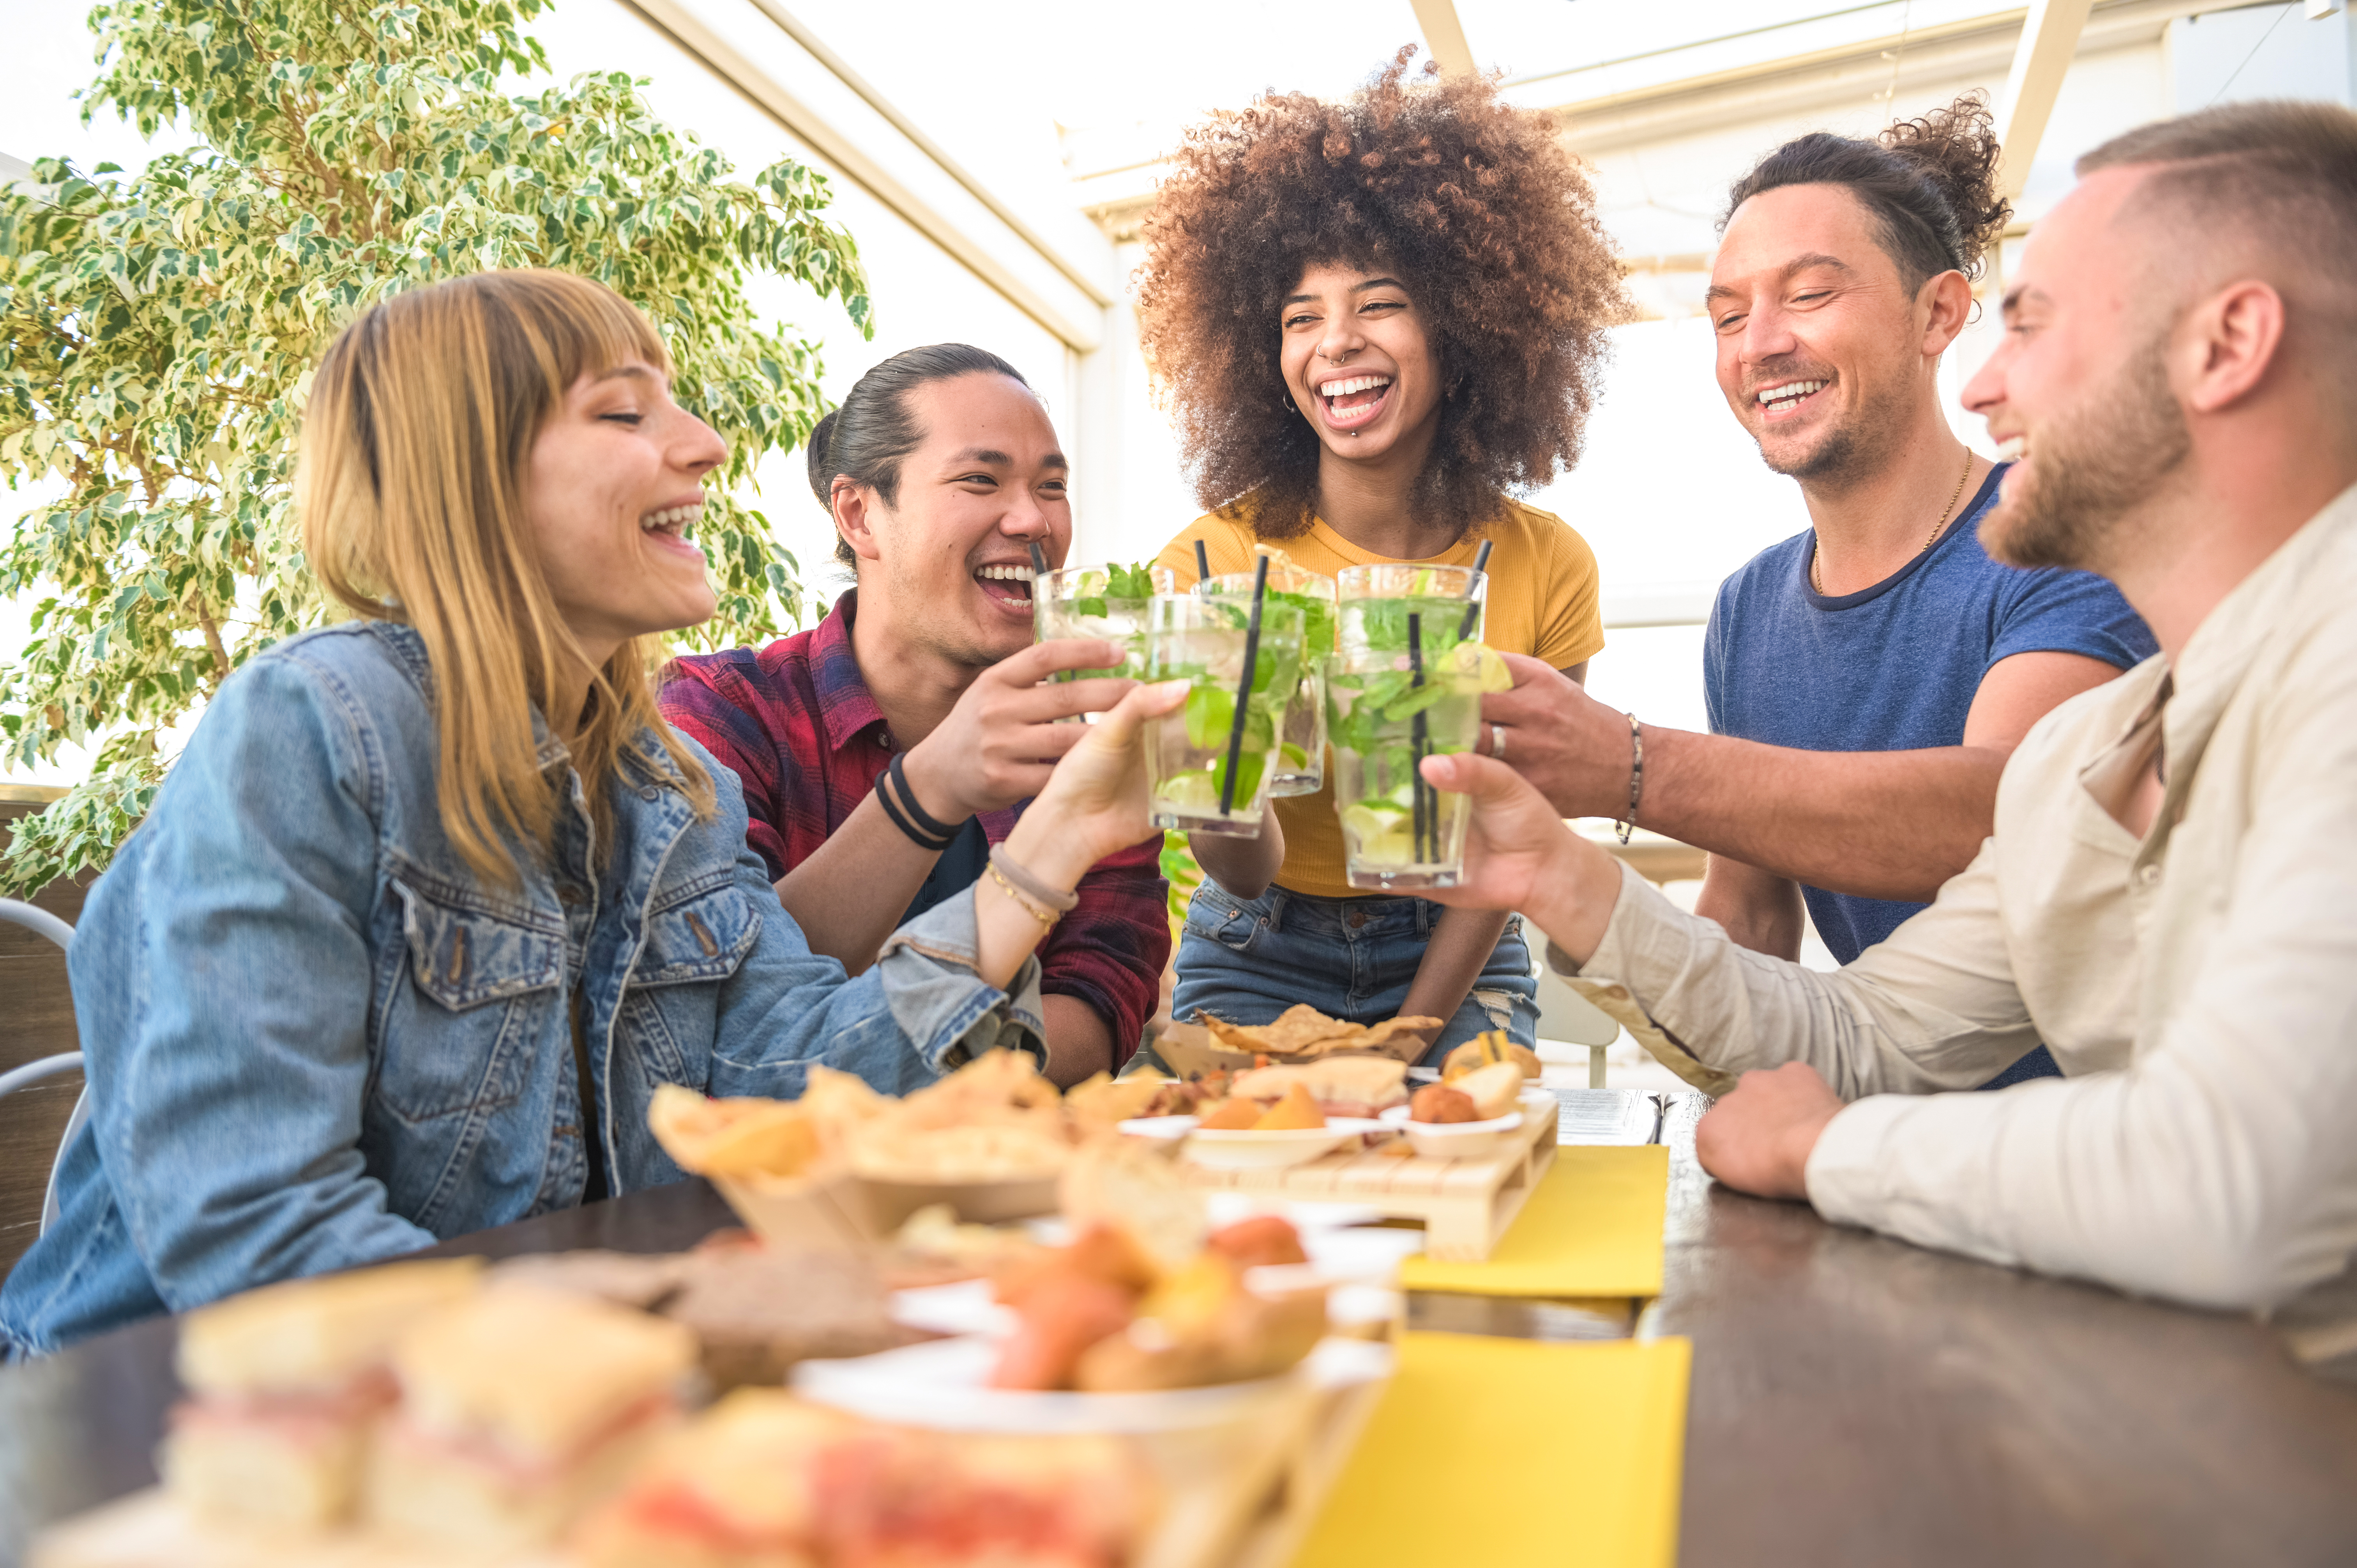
1498 742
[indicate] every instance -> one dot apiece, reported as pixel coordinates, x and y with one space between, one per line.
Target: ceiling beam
2049 38
1444 37
743 46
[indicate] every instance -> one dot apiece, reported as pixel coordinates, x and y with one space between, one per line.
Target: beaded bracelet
1047 917
1040 893
1636 777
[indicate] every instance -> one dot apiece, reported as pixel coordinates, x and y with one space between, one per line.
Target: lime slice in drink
1194 790
1291 756
1473 661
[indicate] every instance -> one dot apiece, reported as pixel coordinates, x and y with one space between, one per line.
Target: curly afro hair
1476 208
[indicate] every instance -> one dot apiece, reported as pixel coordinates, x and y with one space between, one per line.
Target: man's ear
855 506
1947 298
2227 343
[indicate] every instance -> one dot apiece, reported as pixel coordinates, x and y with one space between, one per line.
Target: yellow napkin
1507 1452
1593 1228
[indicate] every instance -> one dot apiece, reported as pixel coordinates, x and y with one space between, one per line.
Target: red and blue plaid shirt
796 725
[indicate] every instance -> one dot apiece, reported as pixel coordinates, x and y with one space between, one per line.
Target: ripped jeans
1248 959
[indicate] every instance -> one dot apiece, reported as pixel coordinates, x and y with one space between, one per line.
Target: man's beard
2094 465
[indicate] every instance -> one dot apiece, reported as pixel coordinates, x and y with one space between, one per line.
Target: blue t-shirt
1893 668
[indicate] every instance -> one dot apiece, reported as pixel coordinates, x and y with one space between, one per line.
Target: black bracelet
947 831
908 828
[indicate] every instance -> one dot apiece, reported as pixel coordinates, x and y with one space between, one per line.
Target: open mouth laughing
1355 401
1007 585
669 526
1785 398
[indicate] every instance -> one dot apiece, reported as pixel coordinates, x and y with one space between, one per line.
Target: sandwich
765 1481
1342 1086
285 1385
733 1490
518 1408
937 1499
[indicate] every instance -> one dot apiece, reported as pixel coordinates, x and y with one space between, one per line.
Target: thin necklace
1816 579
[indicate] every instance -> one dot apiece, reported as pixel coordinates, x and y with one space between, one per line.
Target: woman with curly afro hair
1376 321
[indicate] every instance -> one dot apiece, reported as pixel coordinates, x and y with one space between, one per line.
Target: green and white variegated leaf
157 332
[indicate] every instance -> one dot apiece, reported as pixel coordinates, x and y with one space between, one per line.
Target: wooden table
1856 1400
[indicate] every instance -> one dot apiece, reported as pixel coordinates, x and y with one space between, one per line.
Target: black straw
1481 565
1420 824
1039 559
1243 691
1202 567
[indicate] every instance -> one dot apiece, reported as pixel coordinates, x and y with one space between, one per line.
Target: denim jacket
315 1037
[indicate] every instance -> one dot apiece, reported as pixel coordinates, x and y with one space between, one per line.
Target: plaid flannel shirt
795 723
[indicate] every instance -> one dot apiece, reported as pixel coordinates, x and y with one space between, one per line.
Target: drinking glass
1209 762
1074 602
1403 684
1301 749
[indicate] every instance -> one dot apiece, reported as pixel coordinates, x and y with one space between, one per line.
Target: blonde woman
433 899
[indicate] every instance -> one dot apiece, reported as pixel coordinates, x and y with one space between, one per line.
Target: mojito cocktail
1210 760
1301 749
1404 684
1095 601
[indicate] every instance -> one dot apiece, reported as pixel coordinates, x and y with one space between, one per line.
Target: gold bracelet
1047 917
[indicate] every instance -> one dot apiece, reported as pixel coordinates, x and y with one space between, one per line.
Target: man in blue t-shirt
1867 679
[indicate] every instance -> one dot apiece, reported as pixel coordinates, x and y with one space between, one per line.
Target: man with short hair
2170 898
1866 679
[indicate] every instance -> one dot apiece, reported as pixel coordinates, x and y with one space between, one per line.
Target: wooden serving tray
1466 1205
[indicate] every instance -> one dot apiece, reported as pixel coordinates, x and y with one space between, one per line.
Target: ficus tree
157 332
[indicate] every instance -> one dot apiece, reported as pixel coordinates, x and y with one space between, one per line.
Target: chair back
43 923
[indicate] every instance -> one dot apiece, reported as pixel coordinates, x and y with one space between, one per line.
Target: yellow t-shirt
1542 601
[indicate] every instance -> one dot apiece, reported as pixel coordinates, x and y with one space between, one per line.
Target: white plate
940 1385
1456 1140
965 1307
1241 1148
1366 1254
1161 1129
1225 1208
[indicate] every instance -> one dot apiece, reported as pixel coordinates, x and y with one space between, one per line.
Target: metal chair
58 932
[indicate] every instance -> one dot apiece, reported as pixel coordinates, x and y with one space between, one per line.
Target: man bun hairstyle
864 440
1930 185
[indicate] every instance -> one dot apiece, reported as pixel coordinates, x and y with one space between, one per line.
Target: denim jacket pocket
485 987
462 954
698 932
1216 915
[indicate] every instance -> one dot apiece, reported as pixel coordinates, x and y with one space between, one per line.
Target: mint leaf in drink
1129 581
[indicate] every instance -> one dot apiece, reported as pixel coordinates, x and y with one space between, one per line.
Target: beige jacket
2199 989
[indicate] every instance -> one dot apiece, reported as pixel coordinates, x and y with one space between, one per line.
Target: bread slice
280 1475
287 1381
519 1409
315 1334
733 1490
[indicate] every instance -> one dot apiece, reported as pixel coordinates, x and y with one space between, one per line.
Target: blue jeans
1248 959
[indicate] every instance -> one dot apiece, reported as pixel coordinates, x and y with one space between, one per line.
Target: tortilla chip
1298 1030
733 1137
1390 1029
1303 1032
1103 1100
